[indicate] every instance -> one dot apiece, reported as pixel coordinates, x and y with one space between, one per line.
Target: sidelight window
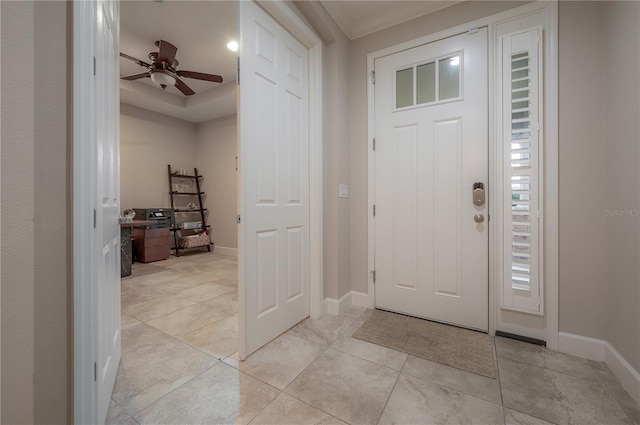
521 141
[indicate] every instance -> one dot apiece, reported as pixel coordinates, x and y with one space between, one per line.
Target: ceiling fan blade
200 76
185 89
138 61
135 76
166 52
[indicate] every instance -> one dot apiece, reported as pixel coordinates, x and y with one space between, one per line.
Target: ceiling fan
162 69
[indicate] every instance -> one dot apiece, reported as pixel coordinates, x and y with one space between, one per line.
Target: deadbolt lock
478 194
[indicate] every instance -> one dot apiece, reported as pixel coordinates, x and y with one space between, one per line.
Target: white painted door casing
274 179
431 257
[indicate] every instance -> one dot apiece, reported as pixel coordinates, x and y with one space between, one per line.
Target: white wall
336 151
582 173
148 142
216 150
36 296
18 170
622 112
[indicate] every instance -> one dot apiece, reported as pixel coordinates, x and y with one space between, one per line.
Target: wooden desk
152 244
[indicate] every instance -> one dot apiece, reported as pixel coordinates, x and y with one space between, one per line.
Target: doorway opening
179 313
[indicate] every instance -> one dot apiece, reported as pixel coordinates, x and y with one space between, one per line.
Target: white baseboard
581 346
360 299
223 250
334 307
628 376
602 351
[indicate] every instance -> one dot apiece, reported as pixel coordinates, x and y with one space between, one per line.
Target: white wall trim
360 299
602 351
223 250
353 298
551 158
581 346
626 374
335 307
299 29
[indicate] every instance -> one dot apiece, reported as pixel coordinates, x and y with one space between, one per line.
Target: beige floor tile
511 417
227 281
345 386
540 356
281 360
142 337
287 410
555 396
181 323
132 295
221 395
152 371
353 311
416 401
204 292
615 391
322 331
220 339
116 415
459 380
366 314
155 307
365 350
602 371
178 284
127 322
227 303
140 269
166 275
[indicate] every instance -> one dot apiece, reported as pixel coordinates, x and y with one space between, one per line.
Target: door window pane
449 74
404 88
426 82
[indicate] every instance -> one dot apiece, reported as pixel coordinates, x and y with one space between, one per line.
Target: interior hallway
179 365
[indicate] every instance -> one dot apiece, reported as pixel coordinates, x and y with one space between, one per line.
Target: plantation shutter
521 140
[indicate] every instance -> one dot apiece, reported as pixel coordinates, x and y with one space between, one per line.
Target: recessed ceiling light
233 46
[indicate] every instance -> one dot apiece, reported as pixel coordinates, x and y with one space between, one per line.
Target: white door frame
550 249
84 351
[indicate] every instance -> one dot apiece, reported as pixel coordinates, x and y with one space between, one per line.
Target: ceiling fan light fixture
162 79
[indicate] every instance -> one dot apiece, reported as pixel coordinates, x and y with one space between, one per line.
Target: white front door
107 201
274 179
431 147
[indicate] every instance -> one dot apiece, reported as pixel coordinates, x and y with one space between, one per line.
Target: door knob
478 218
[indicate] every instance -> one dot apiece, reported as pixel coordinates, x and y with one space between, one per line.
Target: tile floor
180 366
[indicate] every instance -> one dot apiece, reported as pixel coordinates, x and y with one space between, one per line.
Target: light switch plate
343 190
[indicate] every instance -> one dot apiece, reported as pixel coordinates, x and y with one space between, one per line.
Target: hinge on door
95 372
374 276
374 210
238 76
373 77
94 66
94 218
238 218
374 143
